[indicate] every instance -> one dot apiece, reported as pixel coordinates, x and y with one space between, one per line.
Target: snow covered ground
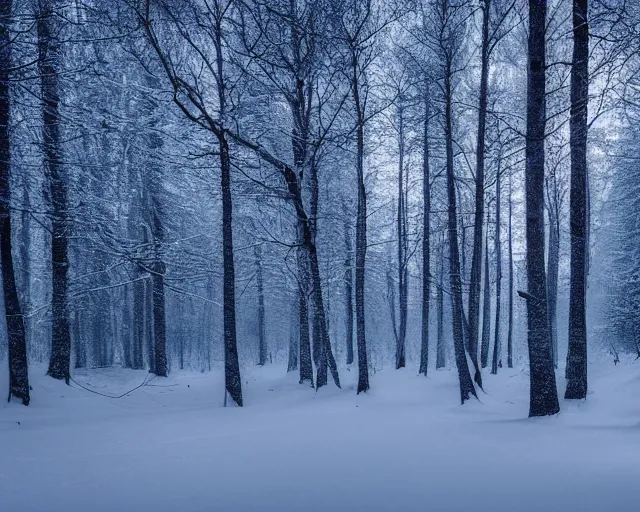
405 446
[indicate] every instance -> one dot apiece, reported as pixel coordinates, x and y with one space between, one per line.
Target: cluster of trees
319 172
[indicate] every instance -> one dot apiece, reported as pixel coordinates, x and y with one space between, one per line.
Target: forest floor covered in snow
405 446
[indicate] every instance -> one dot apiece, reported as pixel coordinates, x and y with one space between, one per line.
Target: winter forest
319 254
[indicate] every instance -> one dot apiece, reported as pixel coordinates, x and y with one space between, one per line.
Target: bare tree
18 365
49 62
577 357
543 392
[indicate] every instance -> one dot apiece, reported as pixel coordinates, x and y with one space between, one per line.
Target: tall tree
577 357
16 336
213 19
426 235
511 276
450 27
49 66
543 391
403 249
476 260
358 24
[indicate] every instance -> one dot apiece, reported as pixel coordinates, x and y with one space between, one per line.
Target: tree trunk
440 354
147 322
348 292
306 368
426 239
262 342
498 255
486 306
16 336
158 300
327 360
48 67
233 383
543 392
402 250
553 262
476 260
577 358
361 238
466 384
510 334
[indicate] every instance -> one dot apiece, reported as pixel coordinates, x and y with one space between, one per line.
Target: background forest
320 184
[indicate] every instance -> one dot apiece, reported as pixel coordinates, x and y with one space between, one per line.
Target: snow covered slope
405 446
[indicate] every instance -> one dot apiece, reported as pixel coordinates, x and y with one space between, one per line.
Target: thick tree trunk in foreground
543 391
361 239
48 67
18 366
233 382
577 358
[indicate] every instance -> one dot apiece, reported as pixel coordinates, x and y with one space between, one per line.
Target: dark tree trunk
426 239
348 292
16 336
510 334
262 342
440 355
48 67
486 306
476 260
577 358
498 255
402 248
158 300
233 382
466 384
543 391
127 345
361 237
147 321
317 329
306 368
25 257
